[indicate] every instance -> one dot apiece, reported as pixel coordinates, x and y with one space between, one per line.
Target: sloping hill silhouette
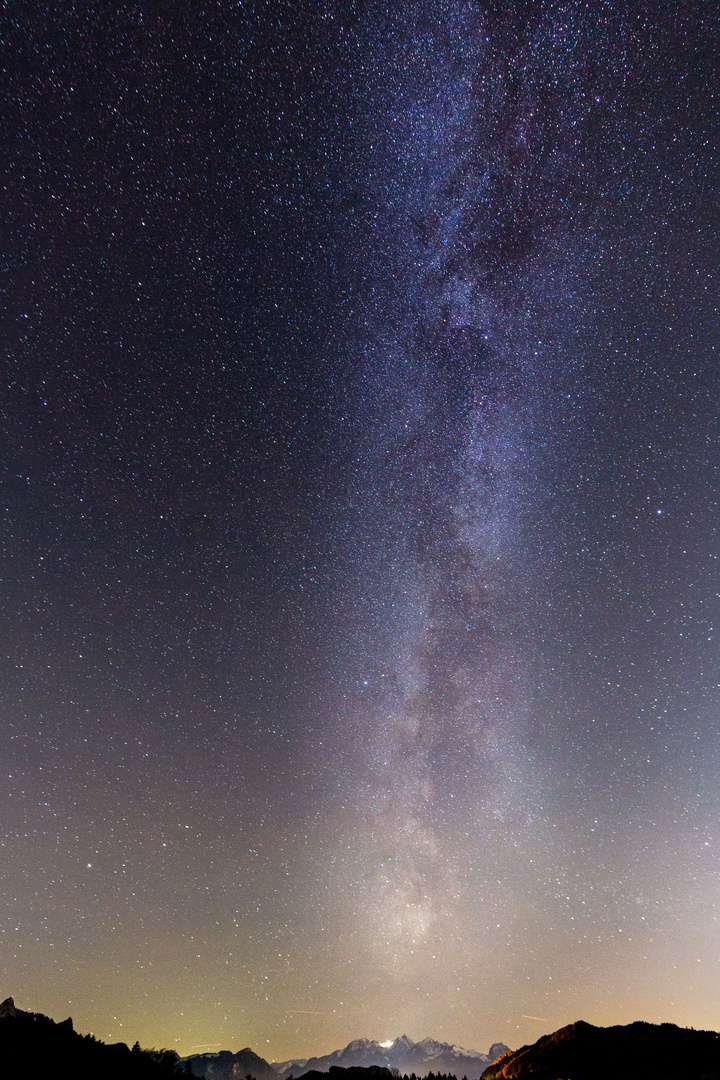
34 1047
638 1051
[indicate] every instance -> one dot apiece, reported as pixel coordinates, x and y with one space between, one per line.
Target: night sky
360 553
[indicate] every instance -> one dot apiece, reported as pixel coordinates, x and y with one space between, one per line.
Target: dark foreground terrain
636 1051
34 1047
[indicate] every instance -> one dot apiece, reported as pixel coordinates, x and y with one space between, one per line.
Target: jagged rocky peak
402 1053
498 1050
224 1065
402 1040
9 1010
432 1047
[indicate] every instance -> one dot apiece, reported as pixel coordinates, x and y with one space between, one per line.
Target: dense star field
360 564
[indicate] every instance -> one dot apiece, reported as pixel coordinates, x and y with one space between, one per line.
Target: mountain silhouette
224 1065
403 1054
34 1047
638 1051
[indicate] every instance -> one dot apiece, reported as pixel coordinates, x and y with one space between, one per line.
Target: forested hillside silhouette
34 1047
638 1051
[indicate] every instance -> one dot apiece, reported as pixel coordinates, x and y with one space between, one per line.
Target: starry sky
360 484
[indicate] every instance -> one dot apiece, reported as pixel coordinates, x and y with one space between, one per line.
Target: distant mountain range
403 1054
34 1047
638 1051
420 1058
224 1065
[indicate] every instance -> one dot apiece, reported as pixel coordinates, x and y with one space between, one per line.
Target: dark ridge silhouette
34 1047
638 1051
371 1072
359 1072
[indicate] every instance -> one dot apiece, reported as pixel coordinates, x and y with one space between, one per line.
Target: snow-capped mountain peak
420 1058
